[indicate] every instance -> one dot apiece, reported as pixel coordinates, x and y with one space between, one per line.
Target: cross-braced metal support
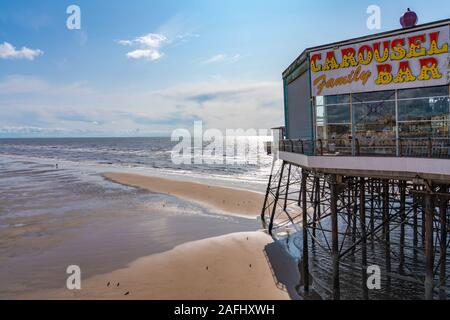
359 222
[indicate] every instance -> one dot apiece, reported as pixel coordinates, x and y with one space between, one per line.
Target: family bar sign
415 59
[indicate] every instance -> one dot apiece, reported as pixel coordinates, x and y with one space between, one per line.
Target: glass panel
423 92
320 133
373 96
424 129
336 140
320 115
339 99
375 120
337 114
423 109
339 131
319 101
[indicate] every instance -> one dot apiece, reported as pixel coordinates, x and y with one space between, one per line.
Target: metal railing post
358 151
430 147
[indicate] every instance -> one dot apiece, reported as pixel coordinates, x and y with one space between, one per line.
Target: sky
147 67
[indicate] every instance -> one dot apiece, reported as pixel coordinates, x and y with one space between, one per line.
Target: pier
349 213
361 175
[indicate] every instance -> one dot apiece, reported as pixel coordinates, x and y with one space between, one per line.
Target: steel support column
334 237
429 250
305 232
362 215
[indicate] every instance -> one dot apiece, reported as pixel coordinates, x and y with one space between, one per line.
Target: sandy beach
233 266
230 201
164 239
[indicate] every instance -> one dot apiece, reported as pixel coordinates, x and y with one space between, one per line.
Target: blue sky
145 67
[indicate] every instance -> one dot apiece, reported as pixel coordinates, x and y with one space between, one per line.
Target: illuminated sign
415 59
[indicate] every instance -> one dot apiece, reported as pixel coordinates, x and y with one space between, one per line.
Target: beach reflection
54 217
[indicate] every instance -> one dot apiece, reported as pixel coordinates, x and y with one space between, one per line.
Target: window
423 112
374 115
372 118
333 117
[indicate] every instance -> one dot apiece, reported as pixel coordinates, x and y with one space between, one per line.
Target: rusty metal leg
263 211
316 186
355 214
429 251
362 214
287 187
415 226
386 231
349 209
423 222
305 233
401 266
334 238
277 195
372 214
443 248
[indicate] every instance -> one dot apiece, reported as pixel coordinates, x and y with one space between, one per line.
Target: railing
405 147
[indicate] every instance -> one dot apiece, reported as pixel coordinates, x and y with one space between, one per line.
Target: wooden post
334 238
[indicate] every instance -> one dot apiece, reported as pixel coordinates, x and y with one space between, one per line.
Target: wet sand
50 219
233 266
145 245
228 200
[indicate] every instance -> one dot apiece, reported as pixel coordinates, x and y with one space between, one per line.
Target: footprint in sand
118 285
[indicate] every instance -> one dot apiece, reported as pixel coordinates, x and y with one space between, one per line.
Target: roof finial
409 19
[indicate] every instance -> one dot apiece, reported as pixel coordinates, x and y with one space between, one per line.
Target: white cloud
149 54
80 110
222 57
125 42
150 46
151 40
8 51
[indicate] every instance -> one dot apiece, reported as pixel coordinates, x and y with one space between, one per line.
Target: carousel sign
416 59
